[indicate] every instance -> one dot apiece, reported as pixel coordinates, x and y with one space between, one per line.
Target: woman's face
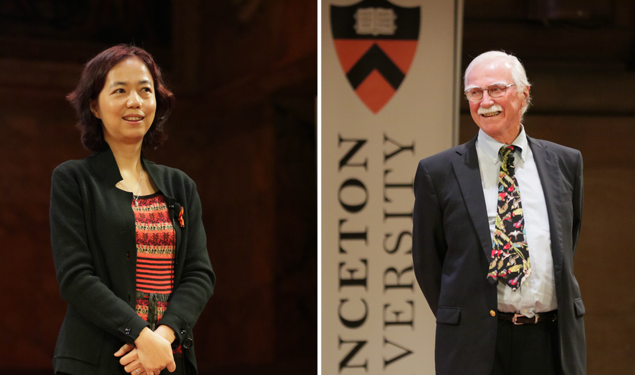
126 104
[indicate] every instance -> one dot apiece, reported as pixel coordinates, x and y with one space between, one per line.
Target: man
496 223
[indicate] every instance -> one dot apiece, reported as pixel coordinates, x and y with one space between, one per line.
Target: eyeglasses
475 94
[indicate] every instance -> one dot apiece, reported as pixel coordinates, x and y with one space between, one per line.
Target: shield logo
375 42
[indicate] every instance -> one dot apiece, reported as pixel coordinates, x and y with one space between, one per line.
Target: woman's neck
128 158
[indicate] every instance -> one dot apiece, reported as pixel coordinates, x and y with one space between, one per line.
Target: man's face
497 117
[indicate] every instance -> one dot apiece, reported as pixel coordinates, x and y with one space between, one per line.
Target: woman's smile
133 119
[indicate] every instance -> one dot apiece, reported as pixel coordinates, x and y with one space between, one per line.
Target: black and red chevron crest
375 42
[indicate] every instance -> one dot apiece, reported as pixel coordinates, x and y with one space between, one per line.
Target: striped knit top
155 257
155 245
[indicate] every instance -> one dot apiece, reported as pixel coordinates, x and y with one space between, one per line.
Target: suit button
127 330
492 313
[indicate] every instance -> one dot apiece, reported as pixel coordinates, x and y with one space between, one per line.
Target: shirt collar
491 146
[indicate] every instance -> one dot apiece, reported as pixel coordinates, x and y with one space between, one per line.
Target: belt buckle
516 316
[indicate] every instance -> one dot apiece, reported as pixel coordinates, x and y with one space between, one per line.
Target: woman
128 241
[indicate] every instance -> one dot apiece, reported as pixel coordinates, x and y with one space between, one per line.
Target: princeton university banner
390 92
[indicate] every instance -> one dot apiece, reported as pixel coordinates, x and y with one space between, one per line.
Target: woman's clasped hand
151 353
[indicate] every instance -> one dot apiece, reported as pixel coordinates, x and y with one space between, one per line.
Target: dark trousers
527 349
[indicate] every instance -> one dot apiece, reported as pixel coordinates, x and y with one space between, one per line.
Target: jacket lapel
468 175
105 166
551 181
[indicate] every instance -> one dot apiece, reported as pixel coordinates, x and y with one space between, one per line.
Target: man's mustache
493 108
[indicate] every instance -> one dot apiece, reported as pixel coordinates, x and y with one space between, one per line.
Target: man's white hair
515 66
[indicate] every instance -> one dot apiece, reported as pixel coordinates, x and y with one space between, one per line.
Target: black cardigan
94 249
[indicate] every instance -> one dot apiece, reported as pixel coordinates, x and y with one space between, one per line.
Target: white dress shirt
537 292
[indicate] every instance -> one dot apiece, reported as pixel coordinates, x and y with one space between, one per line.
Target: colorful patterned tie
510 256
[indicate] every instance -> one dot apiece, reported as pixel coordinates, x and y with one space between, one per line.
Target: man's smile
492 111
491 114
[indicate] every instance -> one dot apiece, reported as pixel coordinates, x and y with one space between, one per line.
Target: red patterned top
155 245
155 257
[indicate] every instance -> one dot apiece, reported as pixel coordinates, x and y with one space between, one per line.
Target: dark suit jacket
94 249
452 251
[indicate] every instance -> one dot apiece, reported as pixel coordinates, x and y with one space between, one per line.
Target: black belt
520 319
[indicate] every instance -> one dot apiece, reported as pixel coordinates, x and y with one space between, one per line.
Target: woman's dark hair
92 82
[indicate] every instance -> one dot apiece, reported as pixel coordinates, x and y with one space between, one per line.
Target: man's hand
154 352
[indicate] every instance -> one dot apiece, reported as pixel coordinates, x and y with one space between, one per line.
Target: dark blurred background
580 58
245 76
